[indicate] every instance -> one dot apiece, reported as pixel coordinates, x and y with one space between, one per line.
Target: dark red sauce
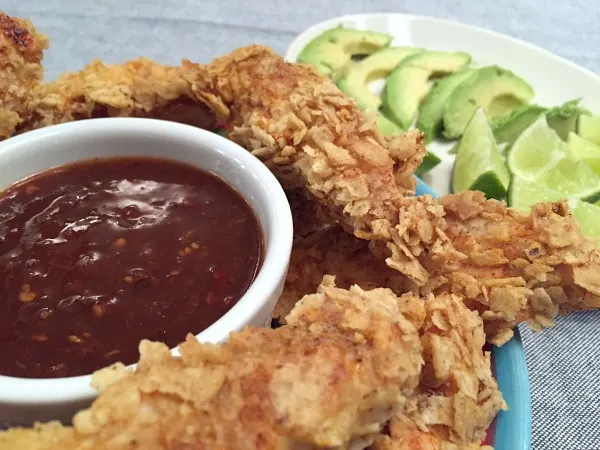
98 255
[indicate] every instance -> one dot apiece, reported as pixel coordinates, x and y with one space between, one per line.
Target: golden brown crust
508 266
21 51
310 134
138 88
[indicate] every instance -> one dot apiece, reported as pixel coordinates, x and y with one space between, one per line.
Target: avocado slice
496 90
563 119
407 84
434 103
508 128
387 127
332 50
375 66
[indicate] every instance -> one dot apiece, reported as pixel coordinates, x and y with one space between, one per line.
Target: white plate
554 79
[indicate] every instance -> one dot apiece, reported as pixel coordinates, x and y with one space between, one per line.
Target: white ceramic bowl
23 400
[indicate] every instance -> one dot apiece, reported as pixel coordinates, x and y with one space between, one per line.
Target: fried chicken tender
330 379
311 135
21 51
457 398
508 266
322 247
138 88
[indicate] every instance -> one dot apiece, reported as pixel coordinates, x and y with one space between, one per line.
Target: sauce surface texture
98 255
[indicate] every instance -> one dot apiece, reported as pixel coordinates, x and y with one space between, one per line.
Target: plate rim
294 48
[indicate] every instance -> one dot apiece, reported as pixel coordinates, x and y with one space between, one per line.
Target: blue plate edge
513 427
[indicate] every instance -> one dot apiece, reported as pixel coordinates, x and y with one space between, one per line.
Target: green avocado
375 66
508 128
408 83
563 119
434 103
497 91
387 127
332 50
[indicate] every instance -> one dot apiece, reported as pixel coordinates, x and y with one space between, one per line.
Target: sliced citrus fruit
479 163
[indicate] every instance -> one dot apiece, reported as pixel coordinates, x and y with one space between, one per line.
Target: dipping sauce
98 255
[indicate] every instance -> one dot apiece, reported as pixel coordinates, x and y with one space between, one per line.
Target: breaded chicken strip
322 247
21 51
138 88
330 379
311 135
508 266
457 398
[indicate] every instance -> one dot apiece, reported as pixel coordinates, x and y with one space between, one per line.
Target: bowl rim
277 246
301 39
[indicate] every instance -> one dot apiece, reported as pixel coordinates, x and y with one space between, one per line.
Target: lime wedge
524 194
430 160
537 150
574 179
589 128
479 164
584 150
588 216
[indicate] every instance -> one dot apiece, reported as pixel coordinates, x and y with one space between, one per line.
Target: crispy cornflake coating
330 379
405 435
313 137
311 134
21 51
458 397
508 266
138 88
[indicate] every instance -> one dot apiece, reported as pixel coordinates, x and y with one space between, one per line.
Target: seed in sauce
120 243
98 310
26 295
98 255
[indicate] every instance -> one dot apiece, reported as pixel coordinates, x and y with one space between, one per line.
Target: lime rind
491 185
430 160
479 163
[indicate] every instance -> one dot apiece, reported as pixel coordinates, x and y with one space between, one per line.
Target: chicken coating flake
508 266
21 72
459 396
330 379
311 135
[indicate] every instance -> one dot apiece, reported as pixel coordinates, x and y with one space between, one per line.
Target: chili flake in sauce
98 255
